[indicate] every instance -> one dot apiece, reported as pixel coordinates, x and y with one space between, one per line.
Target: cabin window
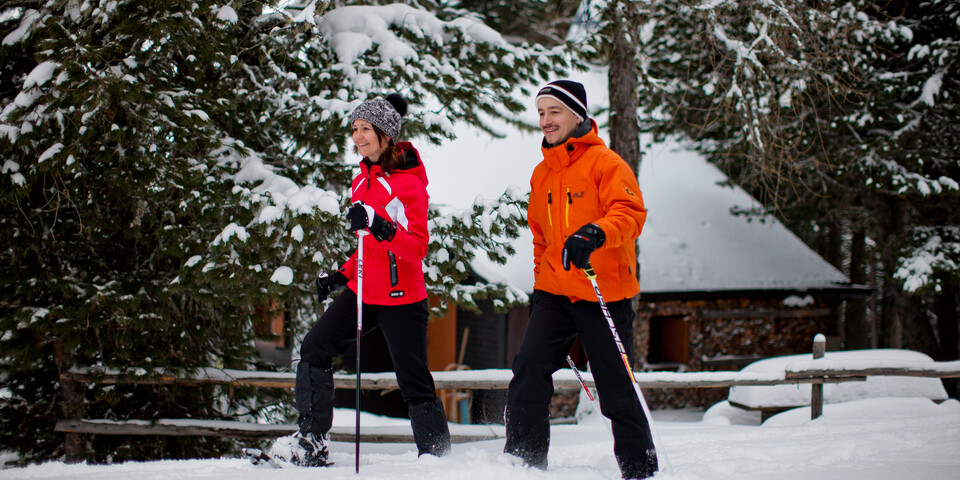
669 342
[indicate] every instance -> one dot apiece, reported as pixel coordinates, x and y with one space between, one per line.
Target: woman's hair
392 156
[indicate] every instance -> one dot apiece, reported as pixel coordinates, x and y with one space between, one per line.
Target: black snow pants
555 322
405 330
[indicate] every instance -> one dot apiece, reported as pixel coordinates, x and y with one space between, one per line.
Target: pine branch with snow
458 236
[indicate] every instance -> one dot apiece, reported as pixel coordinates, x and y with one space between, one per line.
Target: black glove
328 282
581 244
362 216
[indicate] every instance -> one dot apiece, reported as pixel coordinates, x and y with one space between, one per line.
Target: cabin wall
719 335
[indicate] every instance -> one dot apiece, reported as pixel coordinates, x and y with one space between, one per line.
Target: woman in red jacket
389 199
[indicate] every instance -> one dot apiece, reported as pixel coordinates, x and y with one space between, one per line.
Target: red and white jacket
393 270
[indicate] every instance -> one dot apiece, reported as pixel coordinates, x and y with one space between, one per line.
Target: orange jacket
578 182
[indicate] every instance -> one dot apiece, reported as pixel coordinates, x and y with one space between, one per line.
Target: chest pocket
581 205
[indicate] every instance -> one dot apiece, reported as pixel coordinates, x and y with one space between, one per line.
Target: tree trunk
904 325
857 331
875 302
834 247
948 328
623 82
834 255
891 213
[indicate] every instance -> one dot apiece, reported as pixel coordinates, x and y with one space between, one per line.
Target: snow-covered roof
690 243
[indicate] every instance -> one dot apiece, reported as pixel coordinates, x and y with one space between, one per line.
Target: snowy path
873 439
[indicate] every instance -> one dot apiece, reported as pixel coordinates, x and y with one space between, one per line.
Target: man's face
556 120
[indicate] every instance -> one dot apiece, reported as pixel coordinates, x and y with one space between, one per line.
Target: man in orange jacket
585 205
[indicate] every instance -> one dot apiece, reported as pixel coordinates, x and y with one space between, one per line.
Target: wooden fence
815 372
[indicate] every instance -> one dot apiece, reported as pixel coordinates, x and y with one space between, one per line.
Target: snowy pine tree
836 115
904 167
171 166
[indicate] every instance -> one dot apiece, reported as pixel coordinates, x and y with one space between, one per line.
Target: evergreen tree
171 166
545 22
834 114
903 153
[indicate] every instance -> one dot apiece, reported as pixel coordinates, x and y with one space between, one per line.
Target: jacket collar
412 164
564 154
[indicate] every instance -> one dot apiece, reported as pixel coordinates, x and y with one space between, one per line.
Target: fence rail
496 379
815 372
244 430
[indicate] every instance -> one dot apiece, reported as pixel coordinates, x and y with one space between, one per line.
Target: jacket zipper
549 207
394 277
566 214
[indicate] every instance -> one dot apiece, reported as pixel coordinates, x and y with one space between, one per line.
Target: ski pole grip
588 270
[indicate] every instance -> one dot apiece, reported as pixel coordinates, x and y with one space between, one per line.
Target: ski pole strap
588 270
626 363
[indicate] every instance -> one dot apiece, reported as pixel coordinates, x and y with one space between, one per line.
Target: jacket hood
562 155
411 164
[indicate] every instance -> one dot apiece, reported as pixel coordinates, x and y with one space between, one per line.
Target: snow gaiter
640 466
430 430
314 396
528 433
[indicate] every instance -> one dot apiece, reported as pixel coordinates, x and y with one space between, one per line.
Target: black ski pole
658 444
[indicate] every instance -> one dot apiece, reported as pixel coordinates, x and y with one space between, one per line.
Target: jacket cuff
605 227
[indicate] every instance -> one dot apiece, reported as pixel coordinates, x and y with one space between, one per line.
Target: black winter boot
430 429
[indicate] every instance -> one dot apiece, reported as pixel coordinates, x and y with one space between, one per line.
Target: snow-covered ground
873 439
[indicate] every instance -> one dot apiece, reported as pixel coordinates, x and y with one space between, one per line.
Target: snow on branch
346 27
455 69
939 251
273 191
29 18
905 180
457 236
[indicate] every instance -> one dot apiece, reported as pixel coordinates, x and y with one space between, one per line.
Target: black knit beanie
569 93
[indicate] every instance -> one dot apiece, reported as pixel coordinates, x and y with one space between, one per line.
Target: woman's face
366 140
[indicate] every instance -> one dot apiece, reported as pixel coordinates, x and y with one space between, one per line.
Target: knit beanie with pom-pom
384 113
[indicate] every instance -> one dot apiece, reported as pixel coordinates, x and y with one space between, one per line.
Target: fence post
70 404
816 388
